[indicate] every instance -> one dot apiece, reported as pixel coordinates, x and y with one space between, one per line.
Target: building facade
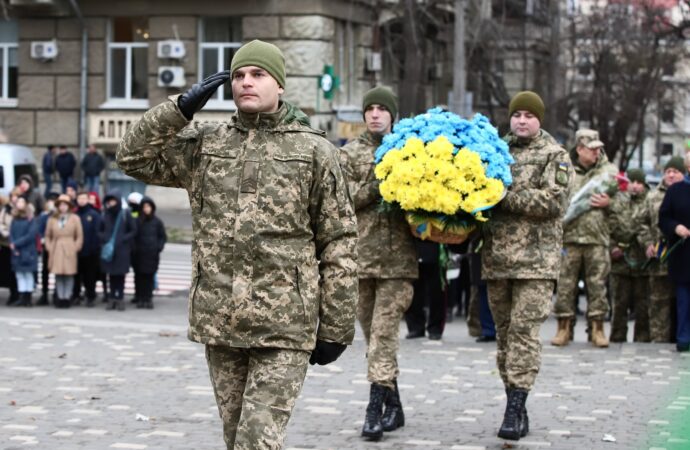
138 53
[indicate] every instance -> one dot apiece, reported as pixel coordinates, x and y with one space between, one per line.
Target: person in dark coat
64 165
92 165
149 243
428 292
118 266
48 166
33 196
89 256
7 277
674 222
47 212
23 232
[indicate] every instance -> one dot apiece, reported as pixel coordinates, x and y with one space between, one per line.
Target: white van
15 161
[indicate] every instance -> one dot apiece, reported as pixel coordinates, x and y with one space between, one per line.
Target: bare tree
621 52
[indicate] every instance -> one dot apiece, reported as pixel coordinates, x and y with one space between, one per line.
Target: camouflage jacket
274 251
523 235
624 234
592 227
386 247
647 222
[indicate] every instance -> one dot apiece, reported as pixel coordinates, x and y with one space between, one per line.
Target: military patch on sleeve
562 173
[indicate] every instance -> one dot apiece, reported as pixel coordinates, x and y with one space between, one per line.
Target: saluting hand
196 97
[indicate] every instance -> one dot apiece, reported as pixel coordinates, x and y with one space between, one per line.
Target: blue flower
478 135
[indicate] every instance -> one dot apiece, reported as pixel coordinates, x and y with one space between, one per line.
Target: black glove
196 97
326 352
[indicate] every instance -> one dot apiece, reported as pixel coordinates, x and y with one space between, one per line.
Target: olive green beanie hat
261 54
527 101
677 163
381 96
637 175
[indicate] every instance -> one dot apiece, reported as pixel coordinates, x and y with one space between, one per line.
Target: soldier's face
672 176
636 188
254 90
587 156
524 124
378 119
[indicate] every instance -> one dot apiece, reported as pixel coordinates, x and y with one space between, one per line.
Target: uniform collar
261 120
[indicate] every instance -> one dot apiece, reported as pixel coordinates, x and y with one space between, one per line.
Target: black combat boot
112 304
524 428
512 427
393 418
42 300
28 299
373 429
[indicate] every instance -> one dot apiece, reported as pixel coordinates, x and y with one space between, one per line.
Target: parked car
15 161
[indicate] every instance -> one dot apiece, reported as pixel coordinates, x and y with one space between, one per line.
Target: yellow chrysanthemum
430 178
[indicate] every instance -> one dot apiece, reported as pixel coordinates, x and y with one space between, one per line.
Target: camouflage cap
588 138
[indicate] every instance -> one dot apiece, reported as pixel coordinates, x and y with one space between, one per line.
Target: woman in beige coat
64 238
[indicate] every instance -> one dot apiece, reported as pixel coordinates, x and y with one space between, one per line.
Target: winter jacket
23 232
91 226
5 223
385 247
523 238
149 241
65 164
592 227
124 239
274 254
674 211
48 164
64 239
92 164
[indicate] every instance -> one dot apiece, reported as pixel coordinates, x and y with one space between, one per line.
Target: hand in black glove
196 97
326 352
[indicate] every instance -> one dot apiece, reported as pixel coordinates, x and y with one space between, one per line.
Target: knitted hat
381 96
637 175
588 138
261 54
527 101
677 163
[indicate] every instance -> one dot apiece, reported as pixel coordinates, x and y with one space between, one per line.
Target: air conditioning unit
44 50
171 49
171 76
374 61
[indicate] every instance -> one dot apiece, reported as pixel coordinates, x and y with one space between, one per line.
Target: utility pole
458 102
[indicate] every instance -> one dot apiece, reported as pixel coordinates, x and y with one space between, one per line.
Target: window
8 63
666 149
128 62
220 39
667 113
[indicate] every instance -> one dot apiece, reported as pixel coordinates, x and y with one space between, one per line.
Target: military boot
112 304
512 426
563 333
598 335
524 425
373 428
393 418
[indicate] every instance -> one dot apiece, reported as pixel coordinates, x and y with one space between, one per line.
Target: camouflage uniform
586 245
661 292
387 262
521 255
628 282
273 257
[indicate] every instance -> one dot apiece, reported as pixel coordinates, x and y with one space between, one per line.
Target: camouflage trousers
382 303
629 292
662 309
519 307
596 262
256 390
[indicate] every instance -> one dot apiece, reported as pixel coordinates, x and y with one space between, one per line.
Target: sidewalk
76 379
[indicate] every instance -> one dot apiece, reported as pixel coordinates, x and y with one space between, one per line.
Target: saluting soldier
274 252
